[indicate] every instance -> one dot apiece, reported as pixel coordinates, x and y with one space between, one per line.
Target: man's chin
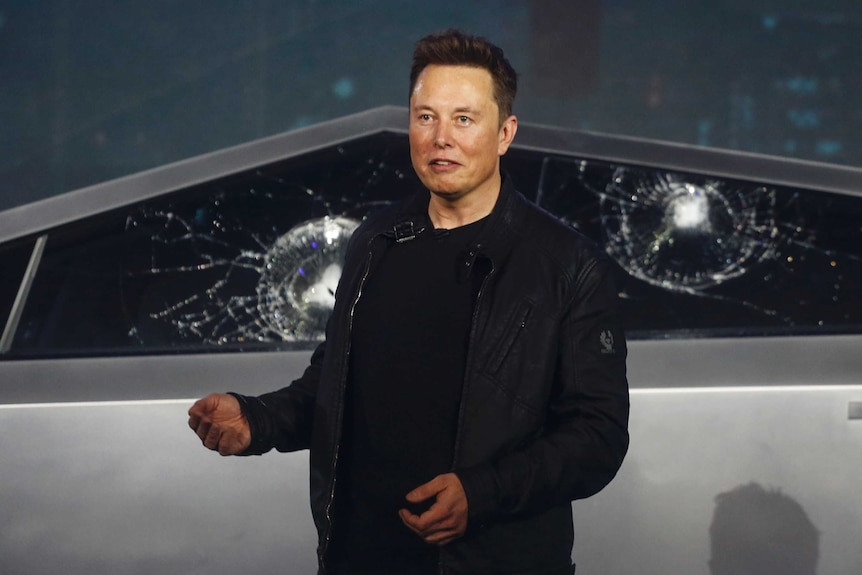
448 195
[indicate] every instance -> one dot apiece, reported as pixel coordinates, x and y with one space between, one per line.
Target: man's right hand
218 421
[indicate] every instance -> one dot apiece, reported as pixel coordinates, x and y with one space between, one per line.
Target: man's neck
448 219
448 214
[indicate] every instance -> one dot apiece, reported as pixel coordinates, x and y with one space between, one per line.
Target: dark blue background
90 91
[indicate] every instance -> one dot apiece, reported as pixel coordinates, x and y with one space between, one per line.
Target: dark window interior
245 262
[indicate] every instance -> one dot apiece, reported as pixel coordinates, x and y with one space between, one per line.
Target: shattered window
251 261
710 256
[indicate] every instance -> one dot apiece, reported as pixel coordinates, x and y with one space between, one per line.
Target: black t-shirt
408 353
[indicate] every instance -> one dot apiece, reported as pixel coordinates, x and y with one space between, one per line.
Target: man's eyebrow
458 110
467 110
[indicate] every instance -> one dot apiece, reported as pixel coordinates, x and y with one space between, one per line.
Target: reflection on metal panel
239 250
789 454
126 488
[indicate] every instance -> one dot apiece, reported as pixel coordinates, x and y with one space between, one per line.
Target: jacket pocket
513 328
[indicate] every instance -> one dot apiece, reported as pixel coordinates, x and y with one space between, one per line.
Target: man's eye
464 119
425 117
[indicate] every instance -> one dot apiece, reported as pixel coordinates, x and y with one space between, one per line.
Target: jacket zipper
328 536
470 352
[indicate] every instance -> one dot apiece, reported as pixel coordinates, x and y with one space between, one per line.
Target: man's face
456 139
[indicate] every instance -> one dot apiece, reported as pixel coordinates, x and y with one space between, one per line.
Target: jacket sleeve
585 435
282 419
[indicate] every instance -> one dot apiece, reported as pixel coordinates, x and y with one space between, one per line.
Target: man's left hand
446 519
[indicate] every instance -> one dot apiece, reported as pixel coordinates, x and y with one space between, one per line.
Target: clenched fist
218 420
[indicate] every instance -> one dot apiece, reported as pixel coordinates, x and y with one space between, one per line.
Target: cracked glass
702 255
251 261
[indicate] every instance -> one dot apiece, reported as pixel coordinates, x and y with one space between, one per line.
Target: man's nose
443 135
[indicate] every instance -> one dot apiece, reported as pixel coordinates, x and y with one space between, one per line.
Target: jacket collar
498 234
496 238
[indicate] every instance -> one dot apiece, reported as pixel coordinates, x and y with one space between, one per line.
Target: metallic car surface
100 473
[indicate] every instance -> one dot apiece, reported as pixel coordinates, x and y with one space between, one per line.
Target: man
472 383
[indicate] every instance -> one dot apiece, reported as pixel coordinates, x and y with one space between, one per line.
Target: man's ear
507 134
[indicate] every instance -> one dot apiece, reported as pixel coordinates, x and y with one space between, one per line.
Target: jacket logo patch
607 340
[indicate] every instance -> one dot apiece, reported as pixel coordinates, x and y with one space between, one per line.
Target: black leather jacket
544 409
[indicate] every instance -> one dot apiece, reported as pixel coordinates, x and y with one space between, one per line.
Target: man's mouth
442 163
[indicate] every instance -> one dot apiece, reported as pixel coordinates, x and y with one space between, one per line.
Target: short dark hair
455 48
